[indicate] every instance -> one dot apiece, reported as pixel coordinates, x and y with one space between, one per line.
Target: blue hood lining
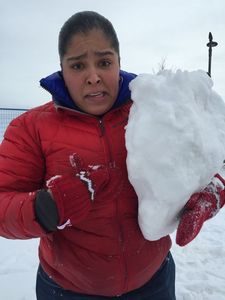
55 85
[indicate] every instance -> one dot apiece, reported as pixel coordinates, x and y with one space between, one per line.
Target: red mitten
200 207
75 195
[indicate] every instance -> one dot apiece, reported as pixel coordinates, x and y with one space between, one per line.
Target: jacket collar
55 85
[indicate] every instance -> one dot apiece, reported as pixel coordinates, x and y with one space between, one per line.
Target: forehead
93 40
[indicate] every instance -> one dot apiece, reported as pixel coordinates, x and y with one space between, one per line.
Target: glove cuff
221 179
46 211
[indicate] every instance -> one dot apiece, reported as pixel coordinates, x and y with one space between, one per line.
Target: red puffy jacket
106 253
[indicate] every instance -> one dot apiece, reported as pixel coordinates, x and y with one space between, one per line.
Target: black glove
46 211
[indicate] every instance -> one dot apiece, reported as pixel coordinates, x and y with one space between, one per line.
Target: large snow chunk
175 139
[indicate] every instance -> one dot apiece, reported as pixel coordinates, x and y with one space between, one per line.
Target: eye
105 63
78 66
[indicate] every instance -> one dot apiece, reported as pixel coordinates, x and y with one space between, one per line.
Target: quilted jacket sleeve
21 175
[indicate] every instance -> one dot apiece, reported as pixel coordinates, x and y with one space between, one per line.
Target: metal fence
6 115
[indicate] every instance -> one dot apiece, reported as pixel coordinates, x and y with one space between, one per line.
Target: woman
64 178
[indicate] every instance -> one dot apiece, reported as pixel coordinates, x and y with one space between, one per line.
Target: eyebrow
97 53
104 53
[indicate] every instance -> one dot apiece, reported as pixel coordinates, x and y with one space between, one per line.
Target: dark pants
160 287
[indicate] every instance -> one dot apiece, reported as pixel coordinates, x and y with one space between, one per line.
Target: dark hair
83 22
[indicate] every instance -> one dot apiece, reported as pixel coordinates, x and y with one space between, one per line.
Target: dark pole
210 45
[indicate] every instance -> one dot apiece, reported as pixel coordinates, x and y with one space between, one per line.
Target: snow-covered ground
200 266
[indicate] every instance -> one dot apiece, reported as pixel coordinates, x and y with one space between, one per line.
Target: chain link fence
6 115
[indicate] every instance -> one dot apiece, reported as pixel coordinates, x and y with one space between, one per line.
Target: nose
93 77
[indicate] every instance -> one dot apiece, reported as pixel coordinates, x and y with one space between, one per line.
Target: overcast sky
149 31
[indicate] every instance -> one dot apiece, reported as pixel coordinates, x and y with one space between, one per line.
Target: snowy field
200 266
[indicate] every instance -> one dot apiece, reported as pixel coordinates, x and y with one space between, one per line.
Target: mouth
96 95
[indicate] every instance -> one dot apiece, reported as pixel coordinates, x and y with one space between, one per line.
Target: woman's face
91 72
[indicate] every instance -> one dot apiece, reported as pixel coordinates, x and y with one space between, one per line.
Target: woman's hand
69 198
200 207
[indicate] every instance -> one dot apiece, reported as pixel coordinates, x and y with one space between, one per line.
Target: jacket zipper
105 136
122 247
121 237
102 127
